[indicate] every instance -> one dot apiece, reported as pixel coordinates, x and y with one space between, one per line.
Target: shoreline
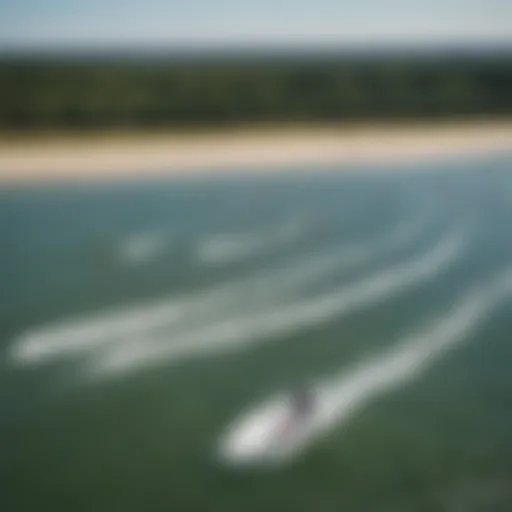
146 155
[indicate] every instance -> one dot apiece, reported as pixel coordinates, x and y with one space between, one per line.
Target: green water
79 436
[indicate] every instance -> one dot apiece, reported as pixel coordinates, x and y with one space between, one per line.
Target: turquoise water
138 320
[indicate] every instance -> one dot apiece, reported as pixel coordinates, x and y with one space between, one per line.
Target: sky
39 24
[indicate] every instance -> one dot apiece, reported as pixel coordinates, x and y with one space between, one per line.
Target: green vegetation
85 94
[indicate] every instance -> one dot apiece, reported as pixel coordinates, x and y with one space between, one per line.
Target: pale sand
144 155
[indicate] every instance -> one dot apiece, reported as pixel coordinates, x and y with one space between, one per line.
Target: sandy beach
136 156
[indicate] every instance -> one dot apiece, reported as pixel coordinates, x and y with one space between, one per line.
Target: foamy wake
238 331
227 248
342 396
142 247
140 322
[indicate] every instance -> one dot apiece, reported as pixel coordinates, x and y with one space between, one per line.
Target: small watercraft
272 431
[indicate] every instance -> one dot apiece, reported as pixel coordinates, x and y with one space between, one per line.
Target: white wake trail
130 324
234 333
141 248
222 249
341 396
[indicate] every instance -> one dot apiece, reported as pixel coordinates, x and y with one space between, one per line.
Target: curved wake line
262 289
340 397
238 332
223 249
141 248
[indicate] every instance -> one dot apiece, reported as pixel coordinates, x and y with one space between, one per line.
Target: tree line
53 94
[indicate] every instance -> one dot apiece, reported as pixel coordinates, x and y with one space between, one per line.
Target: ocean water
138 320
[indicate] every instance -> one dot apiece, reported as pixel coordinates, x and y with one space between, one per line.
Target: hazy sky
64 23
